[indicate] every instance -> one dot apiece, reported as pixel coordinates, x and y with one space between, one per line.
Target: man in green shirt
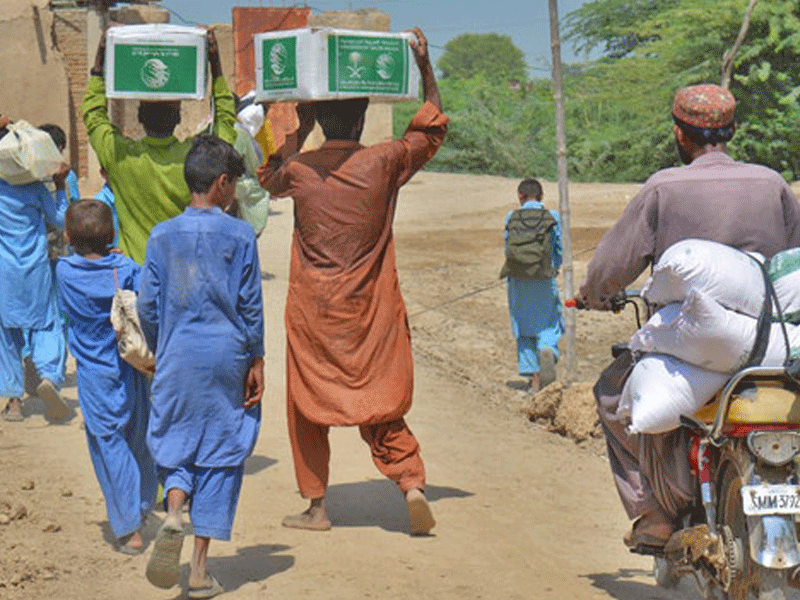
146 175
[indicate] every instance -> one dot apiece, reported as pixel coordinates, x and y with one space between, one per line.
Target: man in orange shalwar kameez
348 343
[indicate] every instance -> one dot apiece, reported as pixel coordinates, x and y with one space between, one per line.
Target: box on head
329 64
156 62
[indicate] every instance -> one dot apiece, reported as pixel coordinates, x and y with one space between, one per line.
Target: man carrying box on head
146 175
348 342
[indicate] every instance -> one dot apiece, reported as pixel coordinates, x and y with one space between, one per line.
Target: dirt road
522 513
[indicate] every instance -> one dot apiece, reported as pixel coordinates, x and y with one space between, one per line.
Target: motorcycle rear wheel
753 582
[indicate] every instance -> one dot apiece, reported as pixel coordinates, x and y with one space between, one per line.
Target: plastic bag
27 154
784 272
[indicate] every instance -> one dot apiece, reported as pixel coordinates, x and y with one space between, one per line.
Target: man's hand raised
214 61
429 88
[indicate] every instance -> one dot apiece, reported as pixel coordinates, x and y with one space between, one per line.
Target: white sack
661 388
731 277
27 154
702 332
784 272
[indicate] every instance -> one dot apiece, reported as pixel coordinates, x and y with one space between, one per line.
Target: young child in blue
201 310
112 394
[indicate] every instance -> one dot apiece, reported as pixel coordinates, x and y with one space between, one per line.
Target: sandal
163 568
209 591
13 410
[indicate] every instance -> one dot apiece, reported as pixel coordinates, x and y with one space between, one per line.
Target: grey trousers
650 470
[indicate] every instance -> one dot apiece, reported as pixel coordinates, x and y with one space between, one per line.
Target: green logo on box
367 64
279 57
154 68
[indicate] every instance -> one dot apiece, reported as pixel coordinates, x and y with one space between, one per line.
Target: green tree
489 55
657 46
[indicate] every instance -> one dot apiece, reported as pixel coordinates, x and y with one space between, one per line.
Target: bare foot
315 517
420 518
13 410
131 544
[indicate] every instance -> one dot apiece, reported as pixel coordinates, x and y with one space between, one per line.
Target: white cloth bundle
27 154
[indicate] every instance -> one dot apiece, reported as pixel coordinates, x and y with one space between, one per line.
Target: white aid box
326 64
156 62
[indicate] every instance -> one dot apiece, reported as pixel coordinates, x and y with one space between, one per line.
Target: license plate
780 499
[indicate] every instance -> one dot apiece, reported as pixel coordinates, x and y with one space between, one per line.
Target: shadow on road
254 563
255 463
623 586
378 503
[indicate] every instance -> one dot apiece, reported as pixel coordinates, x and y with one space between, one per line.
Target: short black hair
160 117
339 118
90 226
707 136
530 188
209 158
57 134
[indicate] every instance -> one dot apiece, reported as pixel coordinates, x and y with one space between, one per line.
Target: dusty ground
522 512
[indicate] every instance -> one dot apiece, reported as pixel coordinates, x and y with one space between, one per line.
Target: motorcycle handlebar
616 302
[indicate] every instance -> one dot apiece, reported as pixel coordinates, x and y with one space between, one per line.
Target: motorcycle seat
764 402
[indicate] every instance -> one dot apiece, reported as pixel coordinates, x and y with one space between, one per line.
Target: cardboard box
326 64
156 62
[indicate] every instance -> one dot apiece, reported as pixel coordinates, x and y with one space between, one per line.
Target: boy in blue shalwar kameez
201 309
112 394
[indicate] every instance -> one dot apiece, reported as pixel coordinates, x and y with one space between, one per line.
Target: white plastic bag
731 277
661 388
27 154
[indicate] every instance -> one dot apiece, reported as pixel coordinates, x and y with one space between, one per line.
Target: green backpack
529 245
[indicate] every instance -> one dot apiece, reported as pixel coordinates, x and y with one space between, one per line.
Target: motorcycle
738 538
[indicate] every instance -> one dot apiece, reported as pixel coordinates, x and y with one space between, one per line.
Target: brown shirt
348 343
714 198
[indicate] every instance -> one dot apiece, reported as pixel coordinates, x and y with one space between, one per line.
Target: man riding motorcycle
712 197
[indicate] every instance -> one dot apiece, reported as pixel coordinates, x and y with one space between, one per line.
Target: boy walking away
201 309
112 394
533 257
28 313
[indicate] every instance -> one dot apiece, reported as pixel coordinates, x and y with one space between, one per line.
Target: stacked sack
712 296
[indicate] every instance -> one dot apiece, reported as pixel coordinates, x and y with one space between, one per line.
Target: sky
527 22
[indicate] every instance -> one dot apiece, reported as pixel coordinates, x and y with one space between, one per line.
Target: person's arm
72 186
55 209
428 128
224 105
147 302
272 175
430 89
251 309
624 252
102 134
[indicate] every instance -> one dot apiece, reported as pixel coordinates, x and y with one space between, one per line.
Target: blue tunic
112 394
85 290
201 308
25 277
535 307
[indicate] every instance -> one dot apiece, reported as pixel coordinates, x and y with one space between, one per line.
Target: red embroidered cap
707 105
